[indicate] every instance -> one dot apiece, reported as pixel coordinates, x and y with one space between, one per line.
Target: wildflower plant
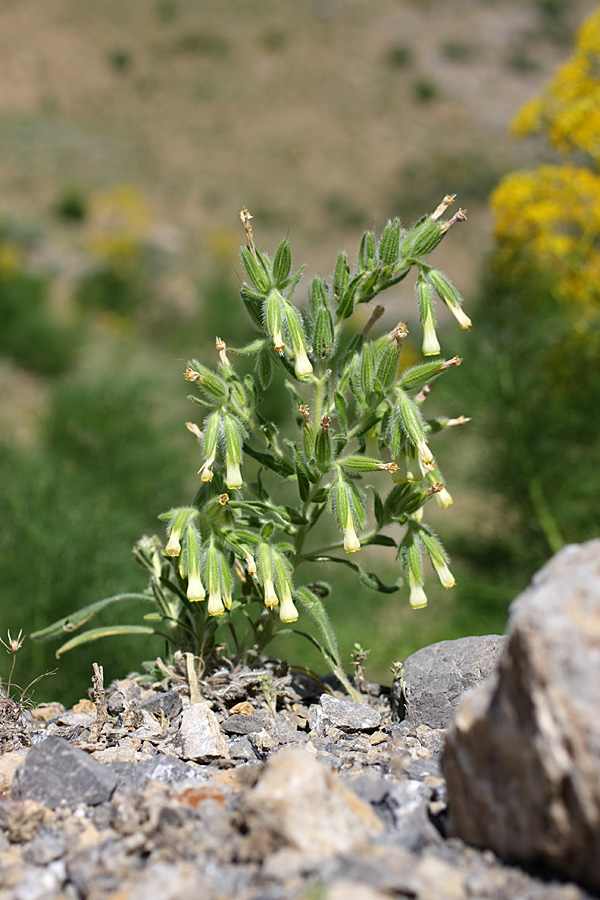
358 434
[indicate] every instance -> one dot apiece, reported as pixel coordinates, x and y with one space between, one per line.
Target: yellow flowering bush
549 218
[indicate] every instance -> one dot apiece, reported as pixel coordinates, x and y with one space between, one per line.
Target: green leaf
369 579
315 608
282 263
79 618
252 347
380 540
275 463
377 506
341 410
109 631
346 305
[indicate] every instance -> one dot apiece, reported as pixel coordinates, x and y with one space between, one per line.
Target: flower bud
389 245
302 365
256 270
233 453
282 263
195 588
273 318
178 519
412 426
421 239
448 293
211 436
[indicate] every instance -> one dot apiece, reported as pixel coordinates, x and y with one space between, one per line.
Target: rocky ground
248 783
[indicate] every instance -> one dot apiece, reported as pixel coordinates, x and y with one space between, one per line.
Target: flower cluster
357 415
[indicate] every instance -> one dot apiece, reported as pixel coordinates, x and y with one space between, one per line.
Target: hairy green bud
282 263
421 239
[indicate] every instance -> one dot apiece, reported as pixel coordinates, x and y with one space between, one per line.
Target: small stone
300 803
245 723
21 820
9 763
45 848
200 734
378 737
167 703
43 712
242 749
57 774
166 769
242 709
85 706
346 715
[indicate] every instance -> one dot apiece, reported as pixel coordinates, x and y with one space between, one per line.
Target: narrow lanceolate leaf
387 367
389 245
315 608
275 463
367 369
323 335
369 579
257 270
367 254
422 239
358 465
109 631
253 301
323 449
75 620
341 410
403 500
318 297
341 277
282 263
264 368
346 305
415 378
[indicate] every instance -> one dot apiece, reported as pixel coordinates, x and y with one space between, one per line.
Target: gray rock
168 703
239 724
437 677
300 803
57 774
200 734
522 761
166 769
242 749
45 848
343 714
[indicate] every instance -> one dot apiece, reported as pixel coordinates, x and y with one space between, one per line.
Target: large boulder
522 759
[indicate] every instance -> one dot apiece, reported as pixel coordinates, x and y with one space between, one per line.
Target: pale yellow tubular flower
460 316
215 603
195 588
287 610
173 547
271 598
351 541
302 365
446 577
205 471
233 477
418 597
431 345
443 498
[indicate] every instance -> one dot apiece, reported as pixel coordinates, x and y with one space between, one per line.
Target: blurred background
131 134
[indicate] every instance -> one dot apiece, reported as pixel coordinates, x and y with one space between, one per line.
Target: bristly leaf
71 623
369 579
282 263
315 608
264 367
341 409
109 631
